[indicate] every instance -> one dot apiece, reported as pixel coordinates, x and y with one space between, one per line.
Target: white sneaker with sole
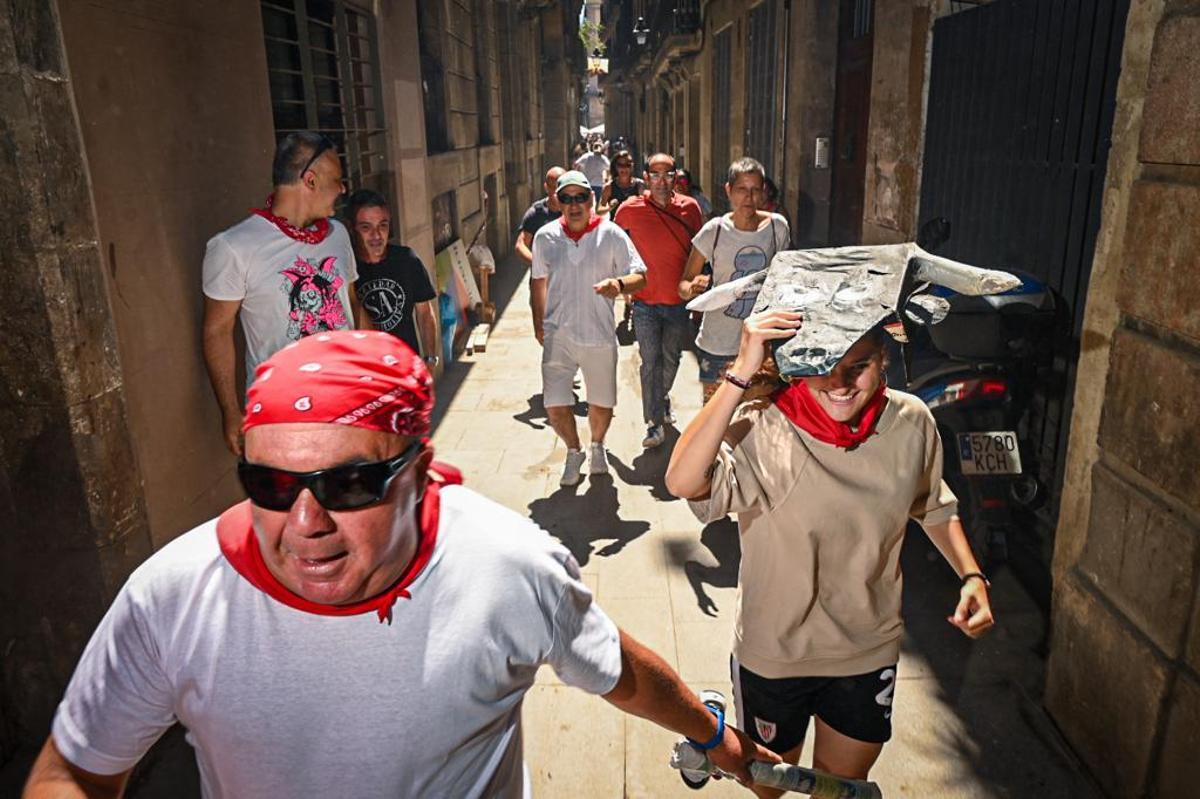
597 459
571 475
655 436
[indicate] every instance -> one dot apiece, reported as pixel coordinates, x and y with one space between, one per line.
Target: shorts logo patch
884 697
765 729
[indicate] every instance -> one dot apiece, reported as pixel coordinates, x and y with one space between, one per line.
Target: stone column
70 489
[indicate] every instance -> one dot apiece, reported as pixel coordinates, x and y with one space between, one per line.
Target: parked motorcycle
977 372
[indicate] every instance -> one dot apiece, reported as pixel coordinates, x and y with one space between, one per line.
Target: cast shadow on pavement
649 468
535 415
579 520
721 540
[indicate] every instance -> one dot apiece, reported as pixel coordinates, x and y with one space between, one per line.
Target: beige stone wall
176 120
899 80
1124 672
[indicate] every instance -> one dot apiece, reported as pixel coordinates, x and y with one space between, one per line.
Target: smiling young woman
824 477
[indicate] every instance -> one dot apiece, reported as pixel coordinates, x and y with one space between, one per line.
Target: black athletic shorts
775 713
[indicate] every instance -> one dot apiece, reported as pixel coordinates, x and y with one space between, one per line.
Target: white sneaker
654 436
597 459
571 475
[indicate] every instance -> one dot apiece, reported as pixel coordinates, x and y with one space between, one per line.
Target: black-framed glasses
323 147
574 199
354 485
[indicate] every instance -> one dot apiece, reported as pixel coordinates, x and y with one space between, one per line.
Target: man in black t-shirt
544 210
393 285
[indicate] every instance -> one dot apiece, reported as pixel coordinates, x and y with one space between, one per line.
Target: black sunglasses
574 199
325 146
354 485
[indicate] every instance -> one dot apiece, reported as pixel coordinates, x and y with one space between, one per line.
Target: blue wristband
716 739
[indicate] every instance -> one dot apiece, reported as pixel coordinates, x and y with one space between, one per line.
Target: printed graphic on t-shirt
312 297
385 300
749 259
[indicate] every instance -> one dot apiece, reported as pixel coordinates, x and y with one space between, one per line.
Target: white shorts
560 359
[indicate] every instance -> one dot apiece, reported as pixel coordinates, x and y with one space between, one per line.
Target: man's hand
232 426
540 335
610 288
736 752
689 289
974 612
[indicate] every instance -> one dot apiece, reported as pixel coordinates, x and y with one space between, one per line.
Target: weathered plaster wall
813 69
75 522
895 141
176 119
1124 672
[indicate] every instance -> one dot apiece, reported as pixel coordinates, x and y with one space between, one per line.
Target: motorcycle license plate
989 453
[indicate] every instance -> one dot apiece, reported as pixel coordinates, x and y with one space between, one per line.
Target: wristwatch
620 286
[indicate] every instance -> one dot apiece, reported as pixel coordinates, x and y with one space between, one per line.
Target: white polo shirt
574 310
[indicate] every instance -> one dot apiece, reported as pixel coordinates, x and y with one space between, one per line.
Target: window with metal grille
721 63
323 66
760 85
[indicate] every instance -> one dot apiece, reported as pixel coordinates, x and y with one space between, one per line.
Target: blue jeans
662 332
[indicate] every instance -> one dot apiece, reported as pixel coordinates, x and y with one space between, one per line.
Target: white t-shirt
592 165
288 289
574 310
280 702
739 253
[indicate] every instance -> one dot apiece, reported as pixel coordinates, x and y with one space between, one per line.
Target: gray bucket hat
845 292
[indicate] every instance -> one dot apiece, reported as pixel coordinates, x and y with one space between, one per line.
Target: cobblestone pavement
968 717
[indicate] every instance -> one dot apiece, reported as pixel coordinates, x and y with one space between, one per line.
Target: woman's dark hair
770 189
623 154
296 152
363 198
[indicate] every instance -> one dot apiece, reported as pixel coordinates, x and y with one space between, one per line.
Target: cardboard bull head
844 292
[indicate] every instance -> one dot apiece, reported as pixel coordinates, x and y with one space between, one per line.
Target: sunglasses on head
354 485
325 146
574 199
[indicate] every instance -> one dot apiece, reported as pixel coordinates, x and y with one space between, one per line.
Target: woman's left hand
974 612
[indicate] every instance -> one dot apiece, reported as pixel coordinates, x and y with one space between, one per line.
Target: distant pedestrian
393 284
773 200
285 272
737 244
623 185
580 264
685 185
538 214
594 164
661 223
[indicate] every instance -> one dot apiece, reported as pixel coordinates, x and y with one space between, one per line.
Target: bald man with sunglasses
362 625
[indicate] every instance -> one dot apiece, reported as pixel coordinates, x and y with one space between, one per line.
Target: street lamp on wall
641 30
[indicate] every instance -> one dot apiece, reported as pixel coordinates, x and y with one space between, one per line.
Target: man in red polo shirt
661 224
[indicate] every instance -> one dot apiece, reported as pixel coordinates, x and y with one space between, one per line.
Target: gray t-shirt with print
738 253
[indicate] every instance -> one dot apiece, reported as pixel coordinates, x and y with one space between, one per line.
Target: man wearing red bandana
363 625
287 271
580 264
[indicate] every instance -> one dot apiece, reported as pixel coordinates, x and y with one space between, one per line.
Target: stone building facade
131 132
1124 672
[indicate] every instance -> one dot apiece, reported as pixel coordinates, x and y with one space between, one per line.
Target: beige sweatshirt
821 529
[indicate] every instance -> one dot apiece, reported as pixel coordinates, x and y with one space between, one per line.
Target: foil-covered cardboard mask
844 292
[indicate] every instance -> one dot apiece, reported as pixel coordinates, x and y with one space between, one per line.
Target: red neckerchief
592 224
798 404
239 545
309 235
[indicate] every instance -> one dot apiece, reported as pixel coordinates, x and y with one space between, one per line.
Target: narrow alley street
968 721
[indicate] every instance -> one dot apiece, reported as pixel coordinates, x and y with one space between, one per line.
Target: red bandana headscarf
357 378
799 405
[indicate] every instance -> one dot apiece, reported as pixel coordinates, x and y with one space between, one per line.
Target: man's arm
651 689
55 777
426 327
362 318
220 357
524 246
537 302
